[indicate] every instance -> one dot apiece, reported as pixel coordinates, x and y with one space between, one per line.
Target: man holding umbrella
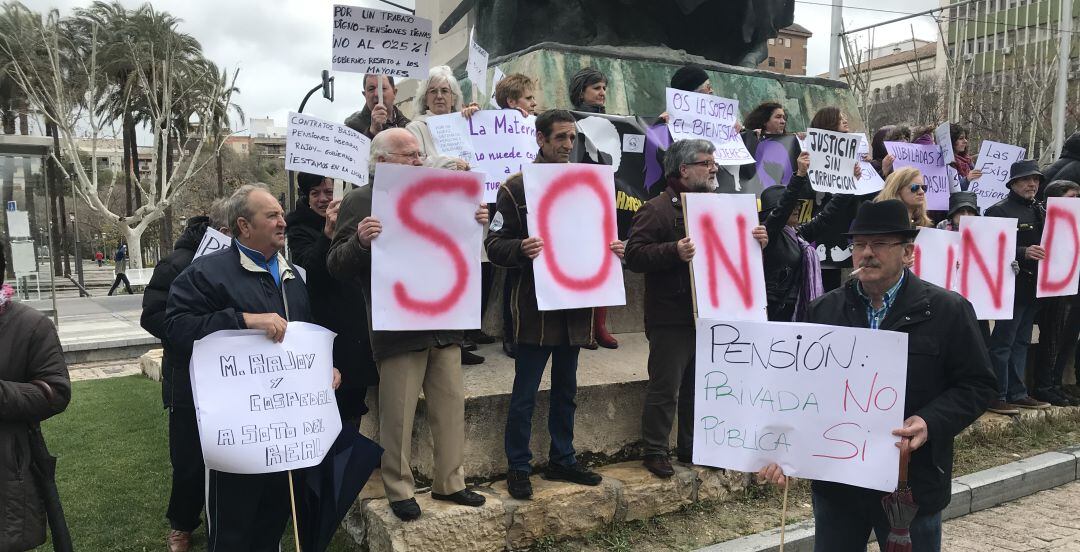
948 384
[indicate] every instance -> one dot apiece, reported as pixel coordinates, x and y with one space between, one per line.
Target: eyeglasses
873 246
916 187
440 92
710 163
409 155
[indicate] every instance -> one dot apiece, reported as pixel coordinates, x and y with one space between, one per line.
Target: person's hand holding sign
974 175
685 247
804 163
331 218
482 215
367 230
773 474
761 235
531 246
914 429
1035 252
270 322
379 116
337 379
618 248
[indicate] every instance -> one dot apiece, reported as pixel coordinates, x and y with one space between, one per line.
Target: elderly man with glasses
407 361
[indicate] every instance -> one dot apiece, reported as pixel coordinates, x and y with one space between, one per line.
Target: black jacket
333 304
782 258
175 380
949 382
1067 167
215 291
652 249
1030 217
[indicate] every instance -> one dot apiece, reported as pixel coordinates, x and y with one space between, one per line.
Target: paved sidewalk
1047 520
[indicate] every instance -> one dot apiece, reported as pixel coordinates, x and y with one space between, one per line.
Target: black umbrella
43 465
900 506
327 491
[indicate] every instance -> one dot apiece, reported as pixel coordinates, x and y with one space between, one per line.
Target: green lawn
113 467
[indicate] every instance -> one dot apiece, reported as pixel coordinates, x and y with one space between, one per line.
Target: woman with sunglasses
907 185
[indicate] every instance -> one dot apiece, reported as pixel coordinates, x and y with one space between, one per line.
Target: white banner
212 241
265 407
425 265
572 208
1058 273
937 257
943 137
926 158
707 117
820 401
995 161
315 146
477 67
503 141
832 161
729 279
987 250
378 42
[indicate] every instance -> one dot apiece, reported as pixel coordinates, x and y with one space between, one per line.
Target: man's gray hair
218 214
380 147
684 152
238 205
437 75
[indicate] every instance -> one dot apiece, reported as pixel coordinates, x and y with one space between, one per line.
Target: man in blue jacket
248 286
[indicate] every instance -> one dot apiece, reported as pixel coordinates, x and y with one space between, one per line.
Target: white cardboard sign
995 161
943 137
820 401
1059 273
832 161
212 241
987 250
937 257
707 117
265 407
451 135
425 265
729 278
315 146
18 224
926 158
572 208
477 67
869 179
503 142
496 76
378 42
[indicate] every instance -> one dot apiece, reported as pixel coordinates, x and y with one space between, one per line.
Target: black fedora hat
1022 168
882 217
963 200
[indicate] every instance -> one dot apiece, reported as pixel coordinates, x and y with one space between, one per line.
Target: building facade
787 52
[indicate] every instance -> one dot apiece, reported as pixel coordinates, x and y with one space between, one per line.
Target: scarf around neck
811 287
6 293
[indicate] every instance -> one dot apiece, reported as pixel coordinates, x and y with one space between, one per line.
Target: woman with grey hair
441 94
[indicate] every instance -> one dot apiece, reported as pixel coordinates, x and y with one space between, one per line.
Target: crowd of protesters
963 366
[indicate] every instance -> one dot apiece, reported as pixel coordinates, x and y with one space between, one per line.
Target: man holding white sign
949 382
247 286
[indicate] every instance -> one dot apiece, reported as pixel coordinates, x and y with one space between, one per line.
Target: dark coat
1030 217
34 386
509 227
215 291
651 248
1067 167
783 258
949 382
333 304
175 379
361 121
350 263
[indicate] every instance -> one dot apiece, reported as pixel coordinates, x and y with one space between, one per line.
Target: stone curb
970 493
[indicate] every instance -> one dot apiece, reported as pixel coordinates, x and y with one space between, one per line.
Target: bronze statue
728 31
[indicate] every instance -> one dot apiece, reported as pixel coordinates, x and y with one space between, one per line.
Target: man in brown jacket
557 334
658 246
408 361
34 386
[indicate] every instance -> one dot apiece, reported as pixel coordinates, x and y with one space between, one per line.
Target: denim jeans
843 526
529 368
1009 343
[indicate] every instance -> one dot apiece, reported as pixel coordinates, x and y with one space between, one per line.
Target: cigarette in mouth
857 271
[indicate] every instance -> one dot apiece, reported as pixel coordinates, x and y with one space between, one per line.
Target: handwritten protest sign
212 241
429 227
937 257
315 146
926 158
451 135
832 160
496 76
503 141
729 279
820 401
987 280
1059 273
265 407
707 117
380 42
869 179
477 66
943 137
995 161
572 209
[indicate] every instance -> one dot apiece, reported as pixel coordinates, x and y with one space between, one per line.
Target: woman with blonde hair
907 185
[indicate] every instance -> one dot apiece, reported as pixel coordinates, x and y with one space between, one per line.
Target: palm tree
221 105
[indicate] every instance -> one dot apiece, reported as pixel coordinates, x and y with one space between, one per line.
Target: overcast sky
281 46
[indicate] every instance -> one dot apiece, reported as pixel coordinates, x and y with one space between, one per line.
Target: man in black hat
1010 340
948 379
